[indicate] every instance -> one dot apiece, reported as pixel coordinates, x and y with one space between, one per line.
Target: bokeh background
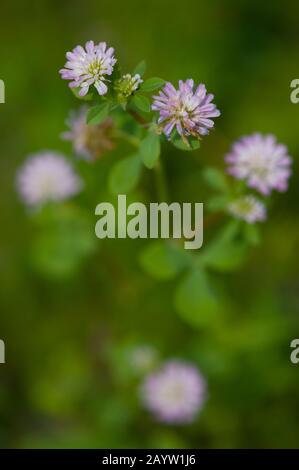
69 329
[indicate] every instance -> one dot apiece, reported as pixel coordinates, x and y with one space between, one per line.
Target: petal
101 87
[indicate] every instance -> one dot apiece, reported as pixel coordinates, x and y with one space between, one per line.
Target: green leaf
150 150
125 175
230 231
226 252
65 237
152 84
142 103
215 179
163 260
177 141
226 256
252 234
140 68
195 300
218 203
98 113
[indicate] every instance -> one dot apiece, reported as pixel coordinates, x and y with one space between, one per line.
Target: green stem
137 117
159 171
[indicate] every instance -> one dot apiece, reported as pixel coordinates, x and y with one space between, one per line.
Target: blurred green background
67 380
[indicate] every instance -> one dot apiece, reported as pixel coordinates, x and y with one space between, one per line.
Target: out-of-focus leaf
226 252
150 149
63 241
125 175
98 113
140 68
164 260
230 231
226 256
215 179
141 103
152 84
195 300
252 234
217 203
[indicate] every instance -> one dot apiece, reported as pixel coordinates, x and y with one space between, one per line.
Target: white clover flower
248 208
47 176
261 162
175 393
127 84
89 66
